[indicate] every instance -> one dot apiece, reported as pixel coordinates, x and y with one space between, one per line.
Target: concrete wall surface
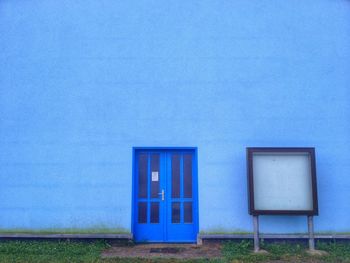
82 82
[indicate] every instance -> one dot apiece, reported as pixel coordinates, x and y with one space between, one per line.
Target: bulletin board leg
256 233
310 224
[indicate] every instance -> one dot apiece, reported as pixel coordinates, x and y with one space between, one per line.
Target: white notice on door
155 177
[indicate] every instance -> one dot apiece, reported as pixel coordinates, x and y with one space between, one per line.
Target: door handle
162 193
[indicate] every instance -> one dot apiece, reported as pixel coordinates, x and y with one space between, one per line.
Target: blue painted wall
82 82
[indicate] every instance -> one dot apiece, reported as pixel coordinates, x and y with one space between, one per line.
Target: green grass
64 251
242 252
52 251
338 252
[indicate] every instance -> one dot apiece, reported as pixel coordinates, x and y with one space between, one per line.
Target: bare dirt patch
178 251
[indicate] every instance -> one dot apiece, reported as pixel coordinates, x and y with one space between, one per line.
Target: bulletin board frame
282 150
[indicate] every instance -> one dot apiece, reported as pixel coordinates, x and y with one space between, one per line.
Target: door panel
150 178
180 213
165 196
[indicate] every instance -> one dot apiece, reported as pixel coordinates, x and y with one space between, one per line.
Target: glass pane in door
142 175
175 176
154 212
155 175
188 212
188 176
142 217
175 212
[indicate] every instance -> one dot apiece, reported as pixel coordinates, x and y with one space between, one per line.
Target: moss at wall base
224 233
222 230
49 231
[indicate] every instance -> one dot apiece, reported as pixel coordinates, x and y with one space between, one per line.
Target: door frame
195 182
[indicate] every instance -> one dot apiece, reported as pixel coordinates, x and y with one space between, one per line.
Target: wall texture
82 82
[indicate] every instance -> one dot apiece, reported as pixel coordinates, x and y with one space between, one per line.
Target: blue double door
165 201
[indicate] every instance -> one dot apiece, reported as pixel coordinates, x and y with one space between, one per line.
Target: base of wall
202 237
66 236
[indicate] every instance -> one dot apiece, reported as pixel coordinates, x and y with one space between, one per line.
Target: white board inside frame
282 181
